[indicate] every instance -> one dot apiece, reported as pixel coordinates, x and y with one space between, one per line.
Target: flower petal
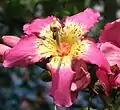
82 77
111 33
29 50
103 79
88 51
78 25
10 40
111 52
74 95
112 80
62 76
3 48
117 80
37 25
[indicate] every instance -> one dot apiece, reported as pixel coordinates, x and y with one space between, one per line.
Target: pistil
64 49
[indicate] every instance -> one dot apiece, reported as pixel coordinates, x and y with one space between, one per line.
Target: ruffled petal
29 50
88 51
103 79
82 77
111 52
3 48
111 33
78 25
37 25
10 40
62 76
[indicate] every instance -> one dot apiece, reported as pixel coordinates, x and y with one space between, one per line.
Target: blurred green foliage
22 89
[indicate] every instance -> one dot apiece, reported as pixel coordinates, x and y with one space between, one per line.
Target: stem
55 107
88 107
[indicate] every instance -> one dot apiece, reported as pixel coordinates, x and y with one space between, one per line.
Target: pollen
73 32
115 69
64 49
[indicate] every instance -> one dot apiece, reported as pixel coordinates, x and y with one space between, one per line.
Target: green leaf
45 76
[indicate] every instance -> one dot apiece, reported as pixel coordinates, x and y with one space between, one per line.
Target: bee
55 28
55 31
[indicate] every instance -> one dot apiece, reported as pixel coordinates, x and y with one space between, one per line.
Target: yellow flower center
64 49
62 40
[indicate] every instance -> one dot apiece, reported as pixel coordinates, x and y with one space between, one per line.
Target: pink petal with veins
111 52
94 56
36 25
23 54
62 76
111 33
87 19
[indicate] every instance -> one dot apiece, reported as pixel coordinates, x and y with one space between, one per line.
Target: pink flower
67 49
109 44
10 42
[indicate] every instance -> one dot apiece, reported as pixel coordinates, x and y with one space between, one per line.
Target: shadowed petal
117 80
111 33
82 77
29 50
10 40
112 80
103 79
88 51
3 48
62 76
78 25
111 52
